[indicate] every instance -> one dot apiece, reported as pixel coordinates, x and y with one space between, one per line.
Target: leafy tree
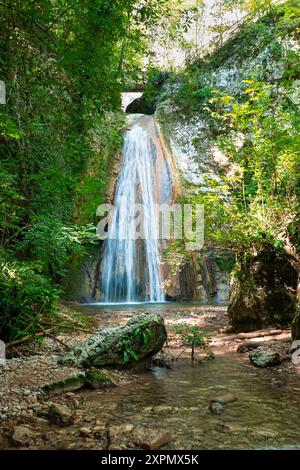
256 199
64 64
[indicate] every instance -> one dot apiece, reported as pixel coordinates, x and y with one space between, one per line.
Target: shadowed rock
263 291
143 336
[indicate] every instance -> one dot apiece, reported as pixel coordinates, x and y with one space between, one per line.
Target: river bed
176 399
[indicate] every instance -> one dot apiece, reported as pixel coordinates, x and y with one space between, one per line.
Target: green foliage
64 64
192 92
51 244
192 337
140 337
256 199
225 263
25 297
175 255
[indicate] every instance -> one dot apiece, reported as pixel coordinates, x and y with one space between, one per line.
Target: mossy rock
70 384
263 290
265 358
95 378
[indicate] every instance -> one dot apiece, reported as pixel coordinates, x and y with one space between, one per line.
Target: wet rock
102 439
60 414
22 436
117 436
138 437
263 434
111 345
70 384
98 379
149 439
223 399
221 427
277 384
40 421
127 406
49 435
265 358
216 408
160 440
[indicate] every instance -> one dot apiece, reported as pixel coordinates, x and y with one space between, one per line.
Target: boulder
265 358
60 414
98 379
143 336
263 290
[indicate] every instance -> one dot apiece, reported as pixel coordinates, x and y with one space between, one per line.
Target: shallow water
94 307
177 400
266 414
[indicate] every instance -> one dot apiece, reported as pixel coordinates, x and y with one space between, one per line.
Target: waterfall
131 268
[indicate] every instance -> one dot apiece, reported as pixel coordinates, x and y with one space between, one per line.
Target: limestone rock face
143 336
263 291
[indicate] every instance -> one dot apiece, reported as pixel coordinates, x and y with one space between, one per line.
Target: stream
265 414
264 411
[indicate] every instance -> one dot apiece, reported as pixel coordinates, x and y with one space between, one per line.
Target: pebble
85 431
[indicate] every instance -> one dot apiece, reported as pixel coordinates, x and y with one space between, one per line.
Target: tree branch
38 25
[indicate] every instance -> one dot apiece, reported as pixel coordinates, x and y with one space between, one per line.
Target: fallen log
254 334
140 338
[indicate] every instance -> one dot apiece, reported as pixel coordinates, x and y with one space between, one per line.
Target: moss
96 379
70 384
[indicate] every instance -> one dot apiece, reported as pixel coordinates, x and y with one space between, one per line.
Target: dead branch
26 338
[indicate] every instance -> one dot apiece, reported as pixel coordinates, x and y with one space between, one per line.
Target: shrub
25 296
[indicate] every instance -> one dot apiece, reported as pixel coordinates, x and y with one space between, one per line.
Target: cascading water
131 269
